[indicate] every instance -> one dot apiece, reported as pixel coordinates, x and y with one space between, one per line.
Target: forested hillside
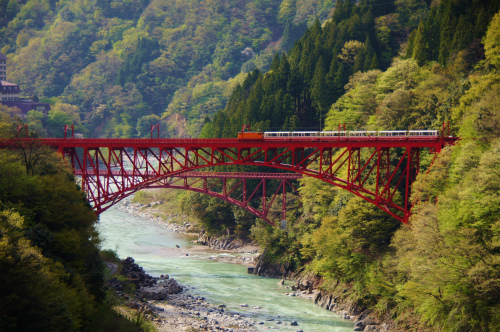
302 85
52 273
123 65
114 68
442 272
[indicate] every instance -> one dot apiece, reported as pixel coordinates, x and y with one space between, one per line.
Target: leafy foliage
451 27
302 85
175 58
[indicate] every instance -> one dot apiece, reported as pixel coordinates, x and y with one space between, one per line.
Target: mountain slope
120 61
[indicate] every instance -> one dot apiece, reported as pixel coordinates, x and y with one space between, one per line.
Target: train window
362 133
305 133
333 133
392 133
276 134
414 133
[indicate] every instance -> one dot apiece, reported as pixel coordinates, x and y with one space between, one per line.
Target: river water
154 248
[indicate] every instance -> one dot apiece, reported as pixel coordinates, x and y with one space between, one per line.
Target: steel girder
374 169
236 192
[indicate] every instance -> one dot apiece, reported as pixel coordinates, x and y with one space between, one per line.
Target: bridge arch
373 168
357 164
199 182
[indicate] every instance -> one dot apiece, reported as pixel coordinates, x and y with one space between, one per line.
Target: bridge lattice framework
372 168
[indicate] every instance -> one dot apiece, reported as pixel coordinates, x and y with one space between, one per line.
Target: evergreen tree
433 35
420 45
341 79
411 44
375 64
359 61
464 33
343 9
448 25
482 19
368 52
319 90
275 65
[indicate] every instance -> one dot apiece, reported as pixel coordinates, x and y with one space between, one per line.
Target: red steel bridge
374 168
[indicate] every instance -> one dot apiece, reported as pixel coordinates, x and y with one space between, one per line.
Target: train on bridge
339 135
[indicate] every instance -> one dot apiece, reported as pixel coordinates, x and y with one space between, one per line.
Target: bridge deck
367 166
201 175
194 143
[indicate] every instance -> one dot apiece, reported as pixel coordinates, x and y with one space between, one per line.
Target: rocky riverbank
238 251
166 304
175 222
183 308
309 286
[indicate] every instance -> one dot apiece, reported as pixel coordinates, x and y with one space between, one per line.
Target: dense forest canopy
303 88
52 276
52 273
412 67
207 67
121 62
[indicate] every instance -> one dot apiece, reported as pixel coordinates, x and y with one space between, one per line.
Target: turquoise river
154 248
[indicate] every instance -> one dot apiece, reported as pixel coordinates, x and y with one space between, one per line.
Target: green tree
319 91
144 125
492 41
50 264
421 52
35 121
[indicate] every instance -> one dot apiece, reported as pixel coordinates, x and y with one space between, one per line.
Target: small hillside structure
9 93
3 67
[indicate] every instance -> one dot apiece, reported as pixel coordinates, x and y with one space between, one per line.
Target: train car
250 135
333 134
423 134
305 134
277 134
392 134
362 134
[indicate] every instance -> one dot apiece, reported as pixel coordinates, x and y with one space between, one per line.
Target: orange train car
250 135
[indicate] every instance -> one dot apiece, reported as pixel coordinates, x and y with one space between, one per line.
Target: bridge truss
373 168
252 197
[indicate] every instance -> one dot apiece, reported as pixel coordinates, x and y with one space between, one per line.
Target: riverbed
162 251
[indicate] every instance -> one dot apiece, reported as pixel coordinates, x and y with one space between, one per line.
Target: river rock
370 321
153 293
136 274
115 284
171 286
